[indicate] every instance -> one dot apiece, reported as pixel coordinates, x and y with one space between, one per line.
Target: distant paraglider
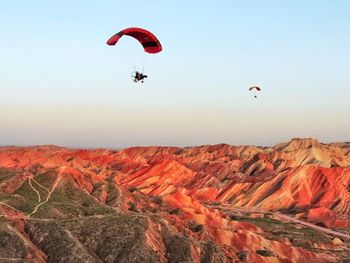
255 88
149 42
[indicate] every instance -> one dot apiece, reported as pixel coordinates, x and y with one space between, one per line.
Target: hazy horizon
61 84
164 145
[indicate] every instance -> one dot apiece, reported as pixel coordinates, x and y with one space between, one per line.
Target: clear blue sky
60 84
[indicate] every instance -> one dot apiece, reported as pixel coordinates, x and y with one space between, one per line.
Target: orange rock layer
302 176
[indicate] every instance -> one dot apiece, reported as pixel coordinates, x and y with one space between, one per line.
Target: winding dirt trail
36 191
58 179
286 217
43 187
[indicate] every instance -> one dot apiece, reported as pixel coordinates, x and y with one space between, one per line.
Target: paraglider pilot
139 77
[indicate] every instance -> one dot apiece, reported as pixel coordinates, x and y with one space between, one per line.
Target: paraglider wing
255 87
149 41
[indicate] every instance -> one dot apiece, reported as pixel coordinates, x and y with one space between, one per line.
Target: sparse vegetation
47 178
29 196
195 227
175 211
158 200
211 253
243 255
178 248
278 230
132 189
132 207
11 244
264 252
35 168
6 174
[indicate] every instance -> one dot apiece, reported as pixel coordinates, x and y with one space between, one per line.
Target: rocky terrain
211 203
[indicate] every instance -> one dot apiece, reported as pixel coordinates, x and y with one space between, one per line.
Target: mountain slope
211 203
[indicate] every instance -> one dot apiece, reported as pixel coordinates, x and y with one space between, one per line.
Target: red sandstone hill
211 203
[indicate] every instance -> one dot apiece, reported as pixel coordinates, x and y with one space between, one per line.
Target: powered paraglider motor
138 76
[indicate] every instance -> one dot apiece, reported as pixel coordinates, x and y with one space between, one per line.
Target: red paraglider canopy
255 87
149 41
